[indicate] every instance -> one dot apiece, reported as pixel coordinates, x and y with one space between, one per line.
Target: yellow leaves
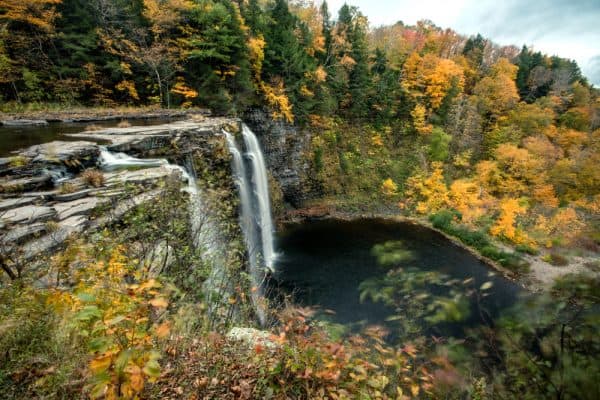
347 61
505 224
466 198
100 364
377 140
565 225
163 330
419 115
306 92
256 48
546 195
389 187
38 13
136 380
320 75
497 93
504 67
429 191
278 101
165 14
129 88
432 77
182 89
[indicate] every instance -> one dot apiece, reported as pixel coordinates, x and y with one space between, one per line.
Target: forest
495 147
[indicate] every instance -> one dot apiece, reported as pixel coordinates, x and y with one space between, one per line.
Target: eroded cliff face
286 148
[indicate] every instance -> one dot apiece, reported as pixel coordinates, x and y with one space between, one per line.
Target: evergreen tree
218 66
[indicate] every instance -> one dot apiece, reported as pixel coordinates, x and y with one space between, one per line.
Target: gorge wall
286 149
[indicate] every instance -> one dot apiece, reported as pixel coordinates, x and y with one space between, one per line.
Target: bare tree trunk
7 269
160 88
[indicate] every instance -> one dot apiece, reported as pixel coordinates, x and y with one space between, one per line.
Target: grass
38 357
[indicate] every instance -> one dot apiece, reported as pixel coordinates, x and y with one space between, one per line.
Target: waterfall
261 192
255 211
241 181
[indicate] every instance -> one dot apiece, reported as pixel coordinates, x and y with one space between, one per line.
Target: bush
67 188
442 220
93 177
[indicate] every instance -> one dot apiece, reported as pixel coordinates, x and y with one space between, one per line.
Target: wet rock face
285 147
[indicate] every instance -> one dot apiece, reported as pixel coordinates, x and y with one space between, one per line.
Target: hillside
150 269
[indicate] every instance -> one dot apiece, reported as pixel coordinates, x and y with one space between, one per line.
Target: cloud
558 27
592 70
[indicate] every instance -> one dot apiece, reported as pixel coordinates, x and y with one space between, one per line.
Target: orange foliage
38 13
432 77
429 192
505 224
466 198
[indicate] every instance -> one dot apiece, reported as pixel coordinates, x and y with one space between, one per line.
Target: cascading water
255 211
261 192
110 161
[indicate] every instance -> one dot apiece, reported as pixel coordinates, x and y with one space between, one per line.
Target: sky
567 28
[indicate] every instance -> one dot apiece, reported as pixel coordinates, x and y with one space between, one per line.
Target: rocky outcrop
37 214
58 152
285 147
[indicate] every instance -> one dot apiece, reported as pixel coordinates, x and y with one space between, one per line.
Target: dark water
323 263
16 138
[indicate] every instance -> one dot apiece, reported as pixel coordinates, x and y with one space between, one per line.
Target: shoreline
75 114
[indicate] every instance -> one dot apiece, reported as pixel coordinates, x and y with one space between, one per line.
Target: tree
496 94
217 63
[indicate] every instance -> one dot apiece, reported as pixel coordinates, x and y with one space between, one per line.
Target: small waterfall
110 161
261 191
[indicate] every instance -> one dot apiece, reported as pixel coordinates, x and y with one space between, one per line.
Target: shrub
123 124
93 177
442 220
67 188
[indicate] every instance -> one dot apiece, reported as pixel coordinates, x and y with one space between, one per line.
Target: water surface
323 263
13 138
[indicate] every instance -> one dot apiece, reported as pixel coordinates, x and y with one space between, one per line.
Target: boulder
250 338
83 206
22 233
69 153
28 214
146 177
26 184
17 202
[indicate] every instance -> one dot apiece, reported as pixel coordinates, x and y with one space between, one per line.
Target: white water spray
110 161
